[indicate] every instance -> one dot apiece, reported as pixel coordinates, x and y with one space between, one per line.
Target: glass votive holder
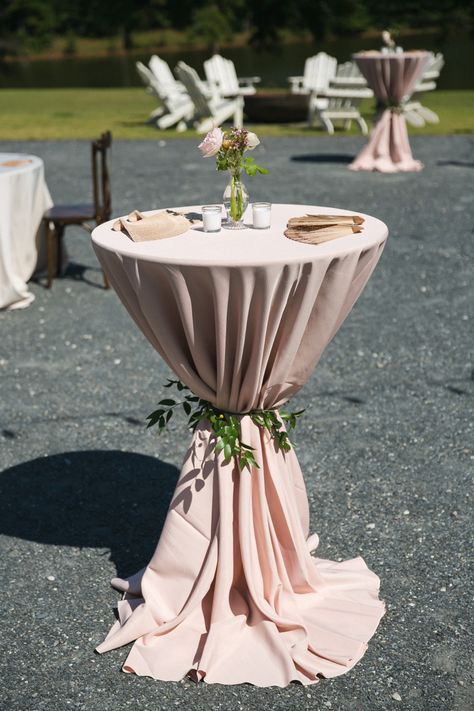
211 218
262 213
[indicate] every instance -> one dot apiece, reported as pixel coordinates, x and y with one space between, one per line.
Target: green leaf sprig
251 168
225 425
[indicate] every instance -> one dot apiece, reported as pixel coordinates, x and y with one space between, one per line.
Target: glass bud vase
236 199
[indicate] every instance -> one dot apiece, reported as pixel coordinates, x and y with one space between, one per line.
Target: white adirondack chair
344 94
175 106
221 73
164 76
209 111
147 78
318 71
348 75
415 112
334 93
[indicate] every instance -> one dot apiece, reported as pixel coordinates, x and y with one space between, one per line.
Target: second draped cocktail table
232 592
392 76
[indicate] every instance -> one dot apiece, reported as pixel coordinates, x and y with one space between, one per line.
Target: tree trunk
127 38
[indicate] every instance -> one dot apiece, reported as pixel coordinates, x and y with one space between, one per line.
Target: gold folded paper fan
144 228
17 161
316 229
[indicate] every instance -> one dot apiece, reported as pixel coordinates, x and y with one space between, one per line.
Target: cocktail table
24 197
392 77
232 593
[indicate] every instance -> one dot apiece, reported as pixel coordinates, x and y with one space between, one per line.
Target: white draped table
233 593
24 197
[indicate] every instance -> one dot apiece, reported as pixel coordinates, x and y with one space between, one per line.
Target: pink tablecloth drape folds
392 78
232 591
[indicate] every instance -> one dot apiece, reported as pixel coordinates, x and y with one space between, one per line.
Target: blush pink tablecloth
232 592
392 77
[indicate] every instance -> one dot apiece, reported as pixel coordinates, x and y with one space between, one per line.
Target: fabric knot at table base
232 592
388 150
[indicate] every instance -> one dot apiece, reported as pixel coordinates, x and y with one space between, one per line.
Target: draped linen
232 593
392 78
24 197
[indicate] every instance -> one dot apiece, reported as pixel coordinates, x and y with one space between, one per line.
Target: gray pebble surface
385 444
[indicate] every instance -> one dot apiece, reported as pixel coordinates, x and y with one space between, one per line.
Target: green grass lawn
49 114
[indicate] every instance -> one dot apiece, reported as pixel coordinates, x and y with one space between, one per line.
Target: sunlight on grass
49 114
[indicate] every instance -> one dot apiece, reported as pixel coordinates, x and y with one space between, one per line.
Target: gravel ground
384 445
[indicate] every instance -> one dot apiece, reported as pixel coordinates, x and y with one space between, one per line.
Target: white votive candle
211 218
262 212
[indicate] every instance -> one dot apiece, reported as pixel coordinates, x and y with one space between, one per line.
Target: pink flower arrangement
228 148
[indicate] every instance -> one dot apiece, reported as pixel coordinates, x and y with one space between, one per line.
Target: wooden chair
59 217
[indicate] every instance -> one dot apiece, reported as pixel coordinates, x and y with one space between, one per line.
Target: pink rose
212 143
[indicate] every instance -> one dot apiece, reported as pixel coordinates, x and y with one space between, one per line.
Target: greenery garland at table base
226 425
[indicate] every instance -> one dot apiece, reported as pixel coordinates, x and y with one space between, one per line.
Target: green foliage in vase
225 425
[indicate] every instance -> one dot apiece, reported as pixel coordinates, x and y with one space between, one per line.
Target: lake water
272 66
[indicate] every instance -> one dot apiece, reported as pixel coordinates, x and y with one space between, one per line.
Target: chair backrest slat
221 72
168 85
101 178
192 83
318 72
433 67
348 70
145 74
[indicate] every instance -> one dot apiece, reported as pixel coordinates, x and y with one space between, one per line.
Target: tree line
33 23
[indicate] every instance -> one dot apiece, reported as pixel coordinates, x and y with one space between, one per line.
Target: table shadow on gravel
94 499
456 163
344 158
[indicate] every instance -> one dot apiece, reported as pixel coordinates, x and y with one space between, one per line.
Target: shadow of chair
59 217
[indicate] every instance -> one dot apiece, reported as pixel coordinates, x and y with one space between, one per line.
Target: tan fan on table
144 228
316 229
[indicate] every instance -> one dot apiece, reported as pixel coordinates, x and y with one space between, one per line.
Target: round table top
246 247
378 54
13 163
